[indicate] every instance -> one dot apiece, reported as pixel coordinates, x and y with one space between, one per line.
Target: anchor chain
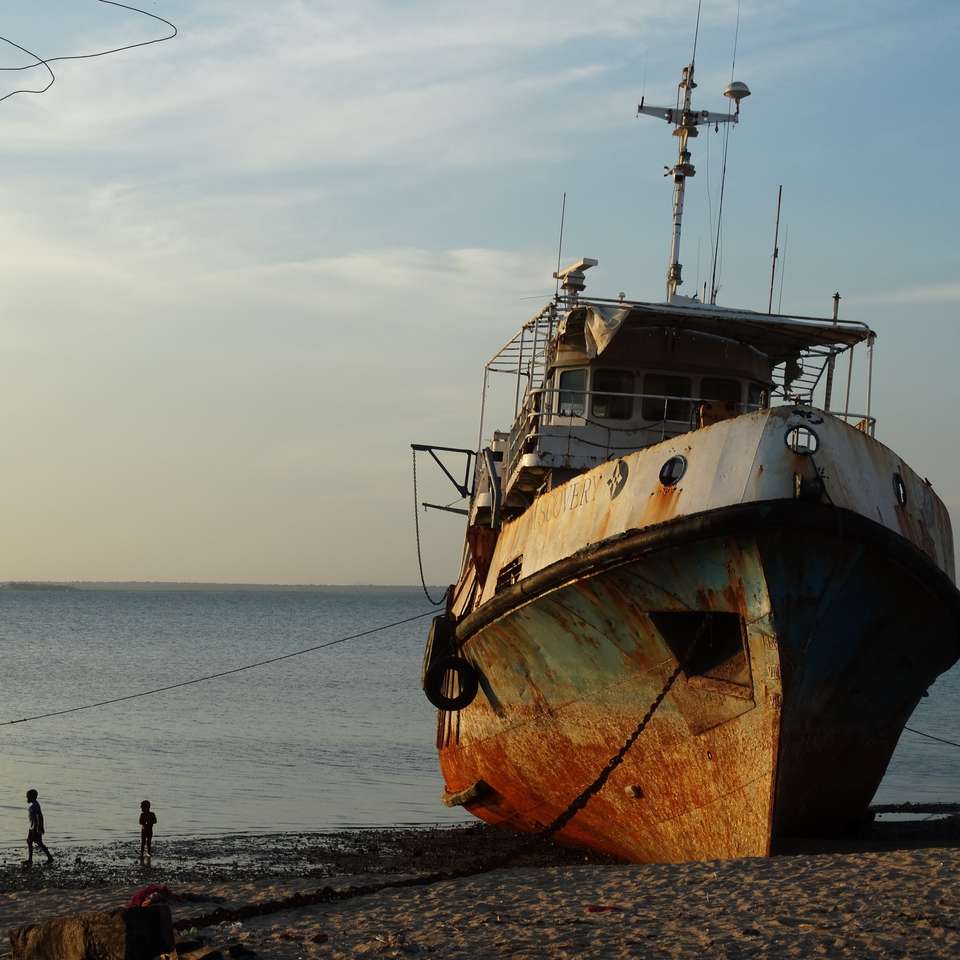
330 895
590 791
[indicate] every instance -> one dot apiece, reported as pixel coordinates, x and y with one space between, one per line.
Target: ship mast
685 121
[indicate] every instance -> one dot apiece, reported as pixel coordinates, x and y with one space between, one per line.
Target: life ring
468 681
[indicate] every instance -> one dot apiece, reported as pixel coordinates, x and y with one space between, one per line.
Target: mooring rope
930 736
222 673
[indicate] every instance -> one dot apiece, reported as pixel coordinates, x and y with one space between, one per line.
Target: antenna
685 121
696 33
783 267
776 251
563 211
736 92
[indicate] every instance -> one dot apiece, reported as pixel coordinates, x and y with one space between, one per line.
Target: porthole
671 473
802 440
899 489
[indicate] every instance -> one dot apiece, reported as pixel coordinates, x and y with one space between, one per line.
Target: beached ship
681 489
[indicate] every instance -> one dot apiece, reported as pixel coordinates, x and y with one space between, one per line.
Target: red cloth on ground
155 893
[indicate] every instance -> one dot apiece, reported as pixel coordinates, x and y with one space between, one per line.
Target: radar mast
685 121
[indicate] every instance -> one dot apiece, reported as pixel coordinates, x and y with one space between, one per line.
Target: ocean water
339 738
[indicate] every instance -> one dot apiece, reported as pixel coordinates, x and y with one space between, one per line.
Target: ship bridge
597 379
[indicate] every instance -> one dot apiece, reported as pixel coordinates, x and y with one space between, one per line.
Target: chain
330 895
416 527
587 794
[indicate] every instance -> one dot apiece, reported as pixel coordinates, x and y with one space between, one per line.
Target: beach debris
142 933
155 893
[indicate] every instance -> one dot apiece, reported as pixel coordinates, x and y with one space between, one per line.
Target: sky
244 269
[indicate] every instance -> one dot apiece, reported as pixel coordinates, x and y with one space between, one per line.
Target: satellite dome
736 91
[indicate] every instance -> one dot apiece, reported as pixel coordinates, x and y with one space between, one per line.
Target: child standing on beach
147 820
36 829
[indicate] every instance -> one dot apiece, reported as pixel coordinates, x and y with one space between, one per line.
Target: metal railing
859 421
533 418
530 419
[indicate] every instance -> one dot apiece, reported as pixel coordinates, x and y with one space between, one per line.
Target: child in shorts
147 819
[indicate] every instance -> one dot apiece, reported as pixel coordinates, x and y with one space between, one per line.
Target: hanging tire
468 681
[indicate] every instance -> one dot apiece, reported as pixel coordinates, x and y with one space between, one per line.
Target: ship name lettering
576 495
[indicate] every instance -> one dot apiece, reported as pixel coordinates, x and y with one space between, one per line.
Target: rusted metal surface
715 774
744 460
566 678
848 611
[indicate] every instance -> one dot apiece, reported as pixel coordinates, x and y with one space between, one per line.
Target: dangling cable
416 527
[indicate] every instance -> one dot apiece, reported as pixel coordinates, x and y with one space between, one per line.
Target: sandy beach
891 893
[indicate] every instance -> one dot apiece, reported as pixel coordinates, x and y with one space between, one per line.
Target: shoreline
888 891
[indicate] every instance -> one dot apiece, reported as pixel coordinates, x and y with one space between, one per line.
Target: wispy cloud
321 85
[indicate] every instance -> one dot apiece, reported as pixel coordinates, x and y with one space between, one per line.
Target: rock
142 933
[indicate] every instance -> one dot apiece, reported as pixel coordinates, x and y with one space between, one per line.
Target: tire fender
467 677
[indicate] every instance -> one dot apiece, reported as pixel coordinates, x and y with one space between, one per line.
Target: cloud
325 84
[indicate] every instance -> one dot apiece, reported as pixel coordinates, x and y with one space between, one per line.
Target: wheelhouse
597 379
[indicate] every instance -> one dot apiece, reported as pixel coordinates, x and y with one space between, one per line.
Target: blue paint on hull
844 627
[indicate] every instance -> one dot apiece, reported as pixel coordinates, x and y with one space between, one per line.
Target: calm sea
339 738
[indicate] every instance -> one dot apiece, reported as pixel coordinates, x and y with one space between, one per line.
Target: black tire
468 678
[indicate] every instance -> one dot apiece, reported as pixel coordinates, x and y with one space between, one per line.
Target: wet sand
892 892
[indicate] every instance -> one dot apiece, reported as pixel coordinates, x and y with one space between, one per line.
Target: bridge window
612 406
717 388
657 387
572 399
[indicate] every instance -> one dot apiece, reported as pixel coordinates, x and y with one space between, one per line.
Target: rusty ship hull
819 624
688 554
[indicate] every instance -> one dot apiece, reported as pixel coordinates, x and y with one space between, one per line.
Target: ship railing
545 413
859 421
563 414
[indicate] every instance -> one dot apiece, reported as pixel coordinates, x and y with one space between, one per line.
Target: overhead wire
46 61
29 66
